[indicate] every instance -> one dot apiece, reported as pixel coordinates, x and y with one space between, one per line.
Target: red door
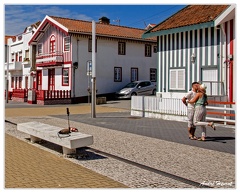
51 79
39 80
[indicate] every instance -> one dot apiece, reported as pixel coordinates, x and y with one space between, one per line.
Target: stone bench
69 143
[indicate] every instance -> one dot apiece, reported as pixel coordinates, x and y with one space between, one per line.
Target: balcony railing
14 66
49 58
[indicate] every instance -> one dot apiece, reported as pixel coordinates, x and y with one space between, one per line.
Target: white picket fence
168 108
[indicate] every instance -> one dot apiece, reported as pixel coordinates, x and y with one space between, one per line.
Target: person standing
200 101
190 110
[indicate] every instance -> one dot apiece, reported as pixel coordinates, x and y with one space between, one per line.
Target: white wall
106 59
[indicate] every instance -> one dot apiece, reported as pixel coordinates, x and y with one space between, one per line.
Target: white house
61 49
17 61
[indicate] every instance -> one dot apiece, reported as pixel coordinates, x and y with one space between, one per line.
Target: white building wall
106 59
19 46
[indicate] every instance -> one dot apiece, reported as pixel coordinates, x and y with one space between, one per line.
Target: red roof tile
79 26
7 37
191 15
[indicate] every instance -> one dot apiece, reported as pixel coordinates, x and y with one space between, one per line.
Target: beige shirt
190 95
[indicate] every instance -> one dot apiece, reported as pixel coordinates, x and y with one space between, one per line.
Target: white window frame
177 79
134 74
117 74
65 77
66 44
40 51
121 48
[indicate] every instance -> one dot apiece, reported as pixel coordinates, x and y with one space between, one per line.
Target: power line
150 17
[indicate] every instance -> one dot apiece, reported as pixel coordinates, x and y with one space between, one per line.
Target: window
67 44
134 74
26 55
177 79
20 82
90 45
65 76
153 74
52 44
39 49
12 57
20 56
121 48
16 81
12 82
117 74
16 57
148 50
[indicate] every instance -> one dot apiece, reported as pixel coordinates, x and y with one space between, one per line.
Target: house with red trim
61 51
197 44
17 62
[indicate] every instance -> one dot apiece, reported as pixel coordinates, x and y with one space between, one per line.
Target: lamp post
93 107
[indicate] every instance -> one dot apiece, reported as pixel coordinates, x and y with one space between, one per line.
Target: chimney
104 20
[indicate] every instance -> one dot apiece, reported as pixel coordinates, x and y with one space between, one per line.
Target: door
39 80
51 79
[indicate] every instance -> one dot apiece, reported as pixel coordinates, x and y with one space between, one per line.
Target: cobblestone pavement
130 159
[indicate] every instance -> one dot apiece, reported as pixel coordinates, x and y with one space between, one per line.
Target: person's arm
206 103
195 98
184 100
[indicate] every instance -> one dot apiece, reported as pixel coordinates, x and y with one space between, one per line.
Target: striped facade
175 51
58 35
197 51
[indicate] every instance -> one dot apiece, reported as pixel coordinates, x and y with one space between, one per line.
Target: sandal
194 137
201 139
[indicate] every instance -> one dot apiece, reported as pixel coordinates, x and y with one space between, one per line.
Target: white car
143 87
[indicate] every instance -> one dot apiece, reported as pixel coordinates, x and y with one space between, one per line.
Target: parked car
143 87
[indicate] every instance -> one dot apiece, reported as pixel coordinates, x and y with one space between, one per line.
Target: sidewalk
27 166
130 143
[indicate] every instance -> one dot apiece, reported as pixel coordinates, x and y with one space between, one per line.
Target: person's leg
193 132
190 122
199 120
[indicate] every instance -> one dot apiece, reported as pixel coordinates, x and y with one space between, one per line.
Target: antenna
117 21
145 24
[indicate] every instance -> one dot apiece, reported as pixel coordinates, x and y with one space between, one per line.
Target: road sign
89 68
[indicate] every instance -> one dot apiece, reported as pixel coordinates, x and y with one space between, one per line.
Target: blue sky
17 17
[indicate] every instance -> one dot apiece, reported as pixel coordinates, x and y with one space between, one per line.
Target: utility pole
93 113
7 79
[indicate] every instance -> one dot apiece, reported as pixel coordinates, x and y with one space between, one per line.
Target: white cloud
18 17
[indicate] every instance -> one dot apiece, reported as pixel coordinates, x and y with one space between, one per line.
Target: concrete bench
38 131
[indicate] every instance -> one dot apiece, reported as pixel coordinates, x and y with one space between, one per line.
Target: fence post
225 106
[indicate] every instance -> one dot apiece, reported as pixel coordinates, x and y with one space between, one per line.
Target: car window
130 85
142 84
147 83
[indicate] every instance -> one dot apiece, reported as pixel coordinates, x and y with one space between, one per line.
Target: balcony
49 59
14 66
